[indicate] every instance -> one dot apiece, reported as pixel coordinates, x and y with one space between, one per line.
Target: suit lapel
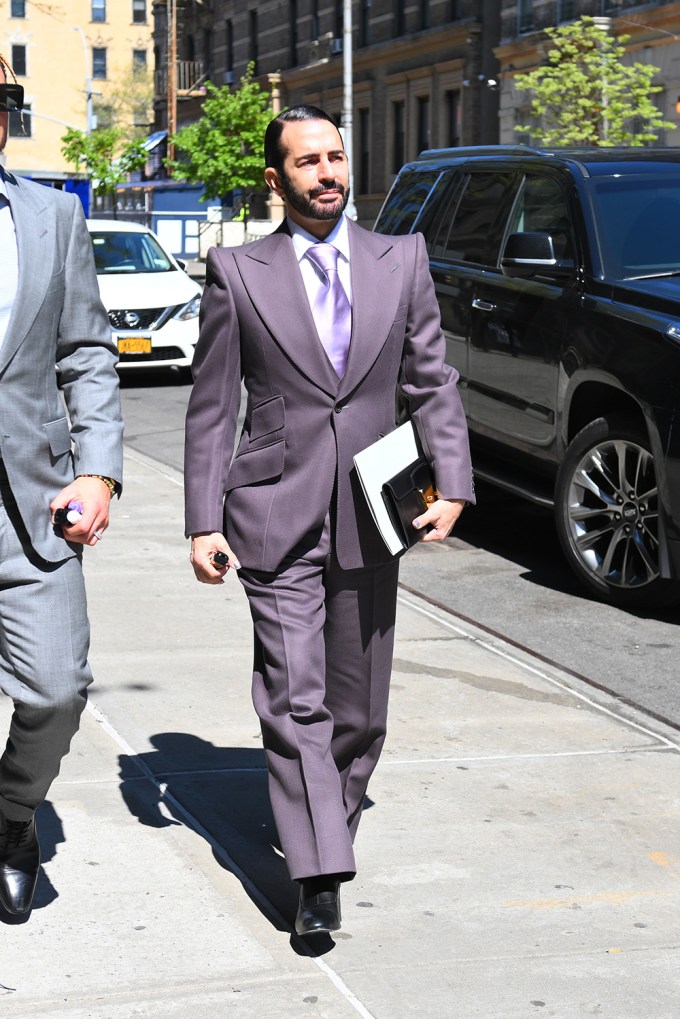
35 264
376 286
272 277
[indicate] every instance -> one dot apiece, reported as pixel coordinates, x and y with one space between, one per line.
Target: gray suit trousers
44 640
323 656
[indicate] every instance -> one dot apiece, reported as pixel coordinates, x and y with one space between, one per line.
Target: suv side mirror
531 254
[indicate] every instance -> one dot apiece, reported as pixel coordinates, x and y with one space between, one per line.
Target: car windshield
639 226
118 252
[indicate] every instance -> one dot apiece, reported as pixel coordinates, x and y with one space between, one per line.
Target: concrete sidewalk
520 855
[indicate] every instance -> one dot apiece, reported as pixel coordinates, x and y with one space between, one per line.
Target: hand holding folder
398 484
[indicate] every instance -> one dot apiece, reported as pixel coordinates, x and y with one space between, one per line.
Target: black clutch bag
406 496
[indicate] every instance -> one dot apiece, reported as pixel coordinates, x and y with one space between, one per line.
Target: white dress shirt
9 261
311 277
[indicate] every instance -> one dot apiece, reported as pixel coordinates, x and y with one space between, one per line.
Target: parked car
558 279
151 301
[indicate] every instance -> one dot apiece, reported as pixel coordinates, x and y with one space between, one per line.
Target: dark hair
273 152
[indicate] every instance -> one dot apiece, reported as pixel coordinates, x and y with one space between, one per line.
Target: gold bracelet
109 482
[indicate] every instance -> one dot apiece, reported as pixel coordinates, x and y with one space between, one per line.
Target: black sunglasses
11 97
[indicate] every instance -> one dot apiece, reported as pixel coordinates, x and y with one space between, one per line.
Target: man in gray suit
322 339
55 341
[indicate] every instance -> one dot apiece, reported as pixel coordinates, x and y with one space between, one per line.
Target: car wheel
607 514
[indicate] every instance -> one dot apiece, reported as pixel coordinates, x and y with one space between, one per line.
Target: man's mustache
323 189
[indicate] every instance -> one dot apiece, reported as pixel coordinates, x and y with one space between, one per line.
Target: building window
339 19
452 118
423 123
207 53
399 17
365 24
140 116
525 15
19 60
18 9
103 114
314 30
566 10
20 127
98 10
454 10
364 152
139 12
292 28
99 61
138 61
424 14
398 135
229 52
253 47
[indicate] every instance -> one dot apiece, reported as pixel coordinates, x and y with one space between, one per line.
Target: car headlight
189 310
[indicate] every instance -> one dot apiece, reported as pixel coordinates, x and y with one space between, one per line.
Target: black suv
558 279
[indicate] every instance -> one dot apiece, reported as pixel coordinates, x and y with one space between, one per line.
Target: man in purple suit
324 322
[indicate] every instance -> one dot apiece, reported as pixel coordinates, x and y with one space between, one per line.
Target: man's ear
272 180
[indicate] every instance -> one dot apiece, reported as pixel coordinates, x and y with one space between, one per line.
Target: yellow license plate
134 344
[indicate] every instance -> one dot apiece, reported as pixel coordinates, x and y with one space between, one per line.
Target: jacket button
337 408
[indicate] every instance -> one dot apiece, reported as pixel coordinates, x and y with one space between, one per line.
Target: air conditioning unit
228 77
336 46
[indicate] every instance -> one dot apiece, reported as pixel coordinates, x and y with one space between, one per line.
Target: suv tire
606 512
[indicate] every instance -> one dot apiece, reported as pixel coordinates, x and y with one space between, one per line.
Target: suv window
405 200
541 207
474 230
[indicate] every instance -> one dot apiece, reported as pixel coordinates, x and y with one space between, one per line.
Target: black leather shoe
318 913
19 864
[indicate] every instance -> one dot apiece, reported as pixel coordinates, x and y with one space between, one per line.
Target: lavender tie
332 310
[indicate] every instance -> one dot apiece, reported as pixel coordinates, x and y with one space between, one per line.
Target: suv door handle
483 305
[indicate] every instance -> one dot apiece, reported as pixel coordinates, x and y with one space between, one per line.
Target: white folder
375 465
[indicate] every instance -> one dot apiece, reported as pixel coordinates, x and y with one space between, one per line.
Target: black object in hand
220 558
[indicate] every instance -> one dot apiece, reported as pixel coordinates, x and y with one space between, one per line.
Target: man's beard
305 204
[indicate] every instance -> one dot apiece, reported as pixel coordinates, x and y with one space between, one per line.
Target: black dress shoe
319 910
19 863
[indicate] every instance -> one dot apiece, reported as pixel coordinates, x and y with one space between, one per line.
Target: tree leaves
223 149
585 95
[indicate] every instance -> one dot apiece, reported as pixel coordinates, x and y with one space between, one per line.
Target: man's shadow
51 834
224 791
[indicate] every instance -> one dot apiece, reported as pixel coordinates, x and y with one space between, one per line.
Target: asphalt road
502 569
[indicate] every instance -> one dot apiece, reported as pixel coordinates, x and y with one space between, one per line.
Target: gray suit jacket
58 343
303 424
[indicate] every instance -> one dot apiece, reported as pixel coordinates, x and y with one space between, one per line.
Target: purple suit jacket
303 424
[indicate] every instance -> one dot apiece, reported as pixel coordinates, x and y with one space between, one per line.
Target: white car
151 301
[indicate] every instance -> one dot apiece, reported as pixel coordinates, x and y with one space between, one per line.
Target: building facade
425 72
60 52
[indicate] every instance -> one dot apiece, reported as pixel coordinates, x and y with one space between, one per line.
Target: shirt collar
3 186
302 240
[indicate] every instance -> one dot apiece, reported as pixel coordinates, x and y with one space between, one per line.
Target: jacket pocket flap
58 436
267 417
255 465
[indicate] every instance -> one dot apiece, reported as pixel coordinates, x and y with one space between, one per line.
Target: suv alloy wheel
606 511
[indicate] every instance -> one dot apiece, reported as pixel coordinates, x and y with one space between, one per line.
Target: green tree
106 155
585 95
223 149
